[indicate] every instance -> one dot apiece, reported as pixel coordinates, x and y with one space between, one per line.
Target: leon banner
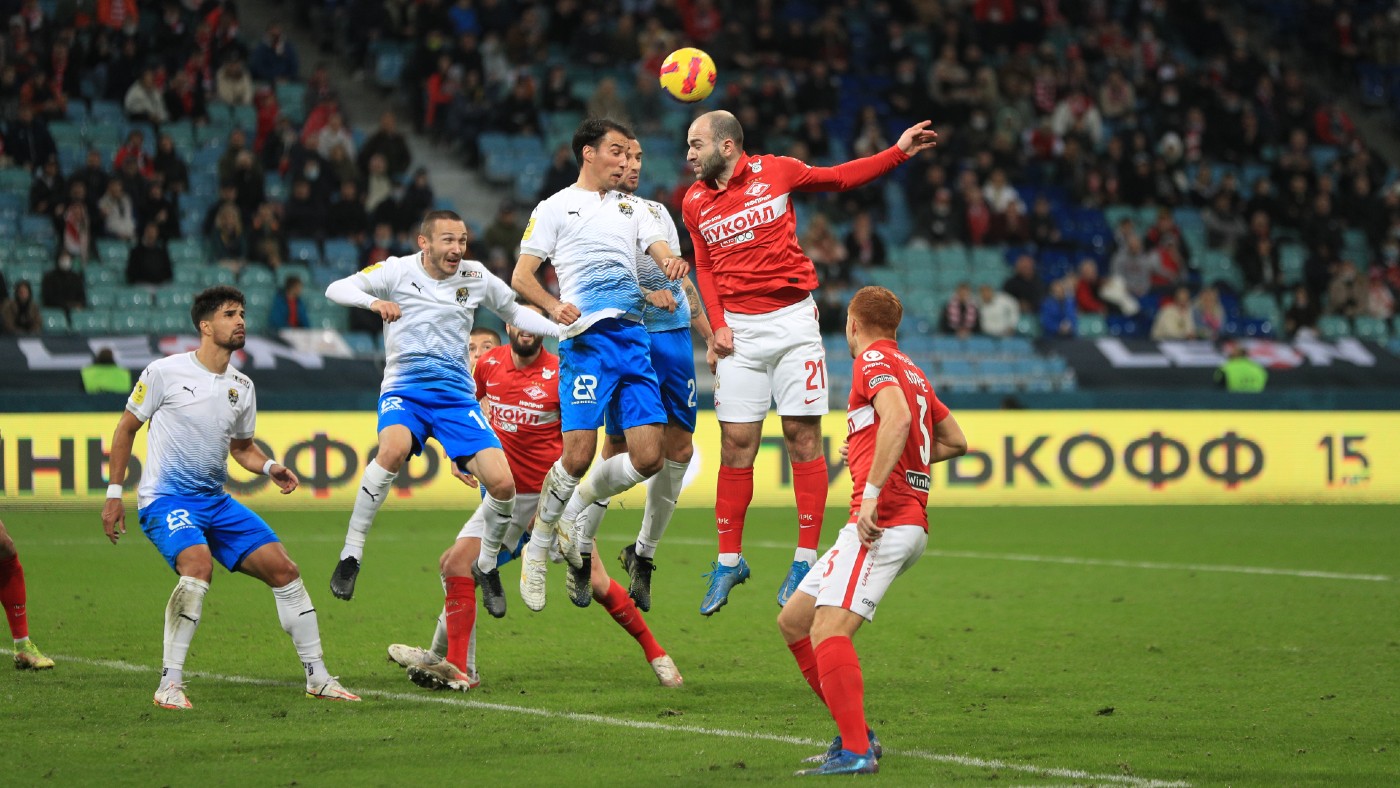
1015 457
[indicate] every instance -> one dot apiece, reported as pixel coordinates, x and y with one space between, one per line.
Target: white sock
729 559
589 521
439 646
512 537
805 554
498 516
182 614
298 618
614 475
537 549
559 487
662 493
470 667
374 485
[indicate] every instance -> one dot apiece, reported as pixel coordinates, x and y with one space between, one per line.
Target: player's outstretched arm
948 440
673 267
247 454
858 172
114 511
917 138
352 291
529 321
526 282
698 320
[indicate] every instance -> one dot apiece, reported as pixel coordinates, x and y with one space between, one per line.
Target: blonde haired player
897 429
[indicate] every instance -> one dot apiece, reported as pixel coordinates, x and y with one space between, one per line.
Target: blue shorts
232 531
453 419
674 363
608 365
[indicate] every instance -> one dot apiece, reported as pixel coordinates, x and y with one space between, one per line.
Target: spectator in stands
184 100
503 233
960 316
335 134
134 150
1241 374
120 15
248 182
144 101
1301 318
1058 317
1086 289
1224 227
516 114
1209 314
827 252
1044 226
288 310
62 287
1258 257
1175 319
232 83
379 185
303 216
117 212
939 224
275 58
346 217
1380 301
1010 227
148 263
1025 285
19 315
417 199
389 142
864 247
997 312
28 141
47 189
1347 293
158 209
228 243
342 168
103 376
380 247
170 166
267 244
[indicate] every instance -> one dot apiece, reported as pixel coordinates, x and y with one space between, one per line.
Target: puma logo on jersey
190 390
572 213
417 286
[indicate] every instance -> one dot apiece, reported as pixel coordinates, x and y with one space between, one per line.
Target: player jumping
520 389
202 411
674 361
756 283
592 232
12 597
898 428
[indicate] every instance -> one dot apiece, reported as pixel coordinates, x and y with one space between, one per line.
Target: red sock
733 495
461 615
624 612
12 597
809 483
807 663
843 687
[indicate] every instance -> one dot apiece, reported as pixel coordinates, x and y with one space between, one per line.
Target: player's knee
791 625
682 453
283 574
804 441
503 490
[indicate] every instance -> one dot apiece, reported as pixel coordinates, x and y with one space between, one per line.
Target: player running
12 597
898 428
202 410
674 361
592 232
520 386
756 283
428 302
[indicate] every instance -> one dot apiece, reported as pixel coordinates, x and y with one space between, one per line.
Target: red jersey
747 258
904 495
524 405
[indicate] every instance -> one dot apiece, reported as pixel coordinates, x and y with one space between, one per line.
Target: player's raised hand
918 138
387 310
565 313
675 268
724 341
283 477
662 299
866 527
114 519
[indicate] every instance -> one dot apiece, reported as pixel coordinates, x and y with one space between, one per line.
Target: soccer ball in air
688 75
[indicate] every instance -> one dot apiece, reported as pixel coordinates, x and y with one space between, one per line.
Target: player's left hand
662 299
866 528
711 357
675 268
464 475
918 138
284 478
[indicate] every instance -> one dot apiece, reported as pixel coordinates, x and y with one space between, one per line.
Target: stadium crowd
1144 169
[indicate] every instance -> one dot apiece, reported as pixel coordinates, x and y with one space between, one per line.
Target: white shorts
778 356
854 577
524 511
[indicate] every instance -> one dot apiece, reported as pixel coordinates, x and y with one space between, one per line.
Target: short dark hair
590 134
209 301
430 218
724 126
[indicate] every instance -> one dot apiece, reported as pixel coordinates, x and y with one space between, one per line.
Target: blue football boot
794 577
722 578
835 749
845 762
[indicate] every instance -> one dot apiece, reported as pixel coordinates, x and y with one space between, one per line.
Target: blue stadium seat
92 321
304 251
1333 327
55 321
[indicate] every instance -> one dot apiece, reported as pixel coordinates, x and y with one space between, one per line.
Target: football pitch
1053 646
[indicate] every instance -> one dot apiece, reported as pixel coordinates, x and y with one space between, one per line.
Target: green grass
1122 673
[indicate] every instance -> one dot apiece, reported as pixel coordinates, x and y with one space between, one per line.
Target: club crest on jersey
462 295
233 397
757 189
535 392
549 373
626 208
755 166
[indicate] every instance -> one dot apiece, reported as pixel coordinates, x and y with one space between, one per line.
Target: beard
526 348
711 166
233 342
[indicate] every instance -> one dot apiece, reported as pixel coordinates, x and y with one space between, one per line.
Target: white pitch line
958 760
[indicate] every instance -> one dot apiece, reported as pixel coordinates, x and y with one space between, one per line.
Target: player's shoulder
557 202
391 264
239 377
473 270
172 365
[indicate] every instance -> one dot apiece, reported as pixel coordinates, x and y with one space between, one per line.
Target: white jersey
427 346
193 414
653 278
592 240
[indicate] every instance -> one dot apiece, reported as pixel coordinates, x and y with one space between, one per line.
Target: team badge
529 229
462 295
371 268
755 166
757 189
233 397
873 355
549 373
626 208
535 392
139 395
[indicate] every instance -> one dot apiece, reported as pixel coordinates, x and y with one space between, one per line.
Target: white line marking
959 760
